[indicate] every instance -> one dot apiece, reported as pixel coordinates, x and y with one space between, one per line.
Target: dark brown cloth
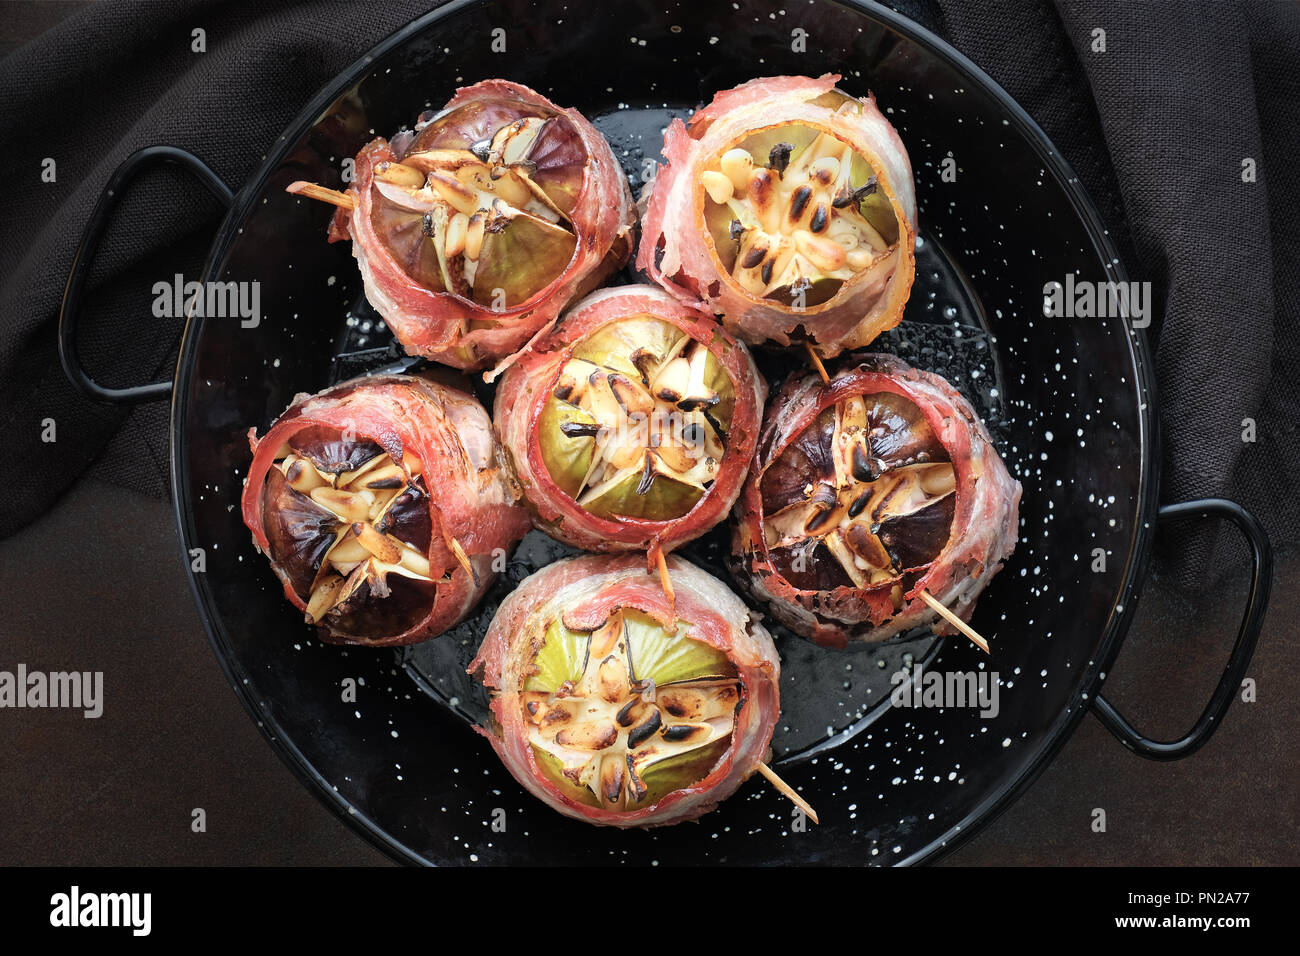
1157 127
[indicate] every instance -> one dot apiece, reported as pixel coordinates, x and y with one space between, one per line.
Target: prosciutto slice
865 492
613 706
787 207
477 228
338 497
631 424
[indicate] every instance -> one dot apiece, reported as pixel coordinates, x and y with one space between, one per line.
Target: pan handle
1261 576
108 200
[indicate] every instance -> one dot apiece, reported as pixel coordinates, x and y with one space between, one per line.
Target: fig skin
914 540
299 531
806 461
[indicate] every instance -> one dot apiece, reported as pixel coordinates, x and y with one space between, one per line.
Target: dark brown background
97 584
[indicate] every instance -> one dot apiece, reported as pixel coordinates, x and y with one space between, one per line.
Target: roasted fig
478 227
865 491
787 207
337 499
617 708
631 424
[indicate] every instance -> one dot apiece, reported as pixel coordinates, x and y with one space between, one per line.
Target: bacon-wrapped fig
338 499
788 207
613 709
631 424
866 491
476 229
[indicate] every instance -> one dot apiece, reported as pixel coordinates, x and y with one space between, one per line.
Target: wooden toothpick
788 791
324 194
817 362
956 622
667 584
462 558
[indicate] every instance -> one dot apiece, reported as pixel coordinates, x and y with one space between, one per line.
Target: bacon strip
984 524
528 384
473 505
451 328
677 252
589 588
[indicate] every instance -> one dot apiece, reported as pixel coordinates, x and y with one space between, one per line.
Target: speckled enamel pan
1070 403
